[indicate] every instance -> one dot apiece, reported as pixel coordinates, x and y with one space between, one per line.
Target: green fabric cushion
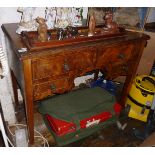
78 105
75 106
79 134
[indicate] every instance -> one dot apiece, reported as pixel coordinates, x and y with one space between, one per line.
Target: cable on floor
23 125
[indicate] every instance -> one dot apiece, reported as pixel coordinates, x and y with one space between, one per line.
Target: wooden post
15 92
28 95
132 73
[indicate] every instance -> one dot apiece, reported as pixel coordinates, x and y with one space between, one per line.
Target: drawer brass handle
53 87
66 67
121 56
125 68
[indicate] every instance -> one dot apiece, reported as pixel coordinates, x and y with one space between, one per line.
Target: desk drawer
83 58
77 60
114 70
50 66
115 54
48 88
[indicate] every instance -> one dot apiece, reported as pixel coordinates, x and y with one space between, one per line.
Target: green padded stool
75 106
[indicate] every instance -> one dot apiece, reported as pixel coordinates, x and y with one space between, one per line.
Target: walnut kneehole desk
52 70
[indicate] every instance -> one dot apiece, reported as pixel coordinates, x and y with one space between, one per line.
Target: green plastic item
79 134
76 106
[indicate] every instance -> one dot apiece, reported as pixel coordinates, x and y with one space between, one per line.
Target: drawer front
50 66
114 70
77 60
48 88
83 59
114 54
117 70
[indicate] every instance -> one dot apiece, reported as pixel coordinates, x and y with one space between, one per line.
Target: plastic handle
149 79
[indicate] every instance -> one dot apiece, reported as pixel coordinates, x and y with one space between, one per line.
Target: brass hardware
125 68
53 87
66 67
121 56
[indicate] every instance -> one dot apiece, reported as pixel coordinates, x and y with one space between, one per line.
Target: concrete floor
107 137
113 137
1 140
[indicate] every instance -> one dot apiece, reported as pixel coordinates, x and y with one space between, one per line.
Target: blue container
108 85
153 70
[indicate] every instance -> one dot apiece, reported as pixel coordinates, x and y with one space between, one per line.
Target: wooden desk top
16 39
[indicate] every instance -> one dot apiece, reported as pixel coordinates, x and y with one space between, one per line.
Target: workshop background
10 15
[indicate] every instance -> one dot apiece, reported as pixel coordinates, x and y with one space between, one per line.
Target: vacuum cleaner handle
149 79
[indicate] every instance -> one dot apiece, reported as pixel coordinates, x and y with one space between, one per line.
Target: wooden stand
51 68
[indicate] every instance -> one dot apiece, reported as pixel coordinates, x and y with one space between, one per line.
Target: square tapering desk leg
28 96
132 72
15 87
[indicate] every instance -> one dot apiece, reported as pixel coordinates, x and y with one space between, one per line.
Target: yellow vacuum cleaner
140 98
